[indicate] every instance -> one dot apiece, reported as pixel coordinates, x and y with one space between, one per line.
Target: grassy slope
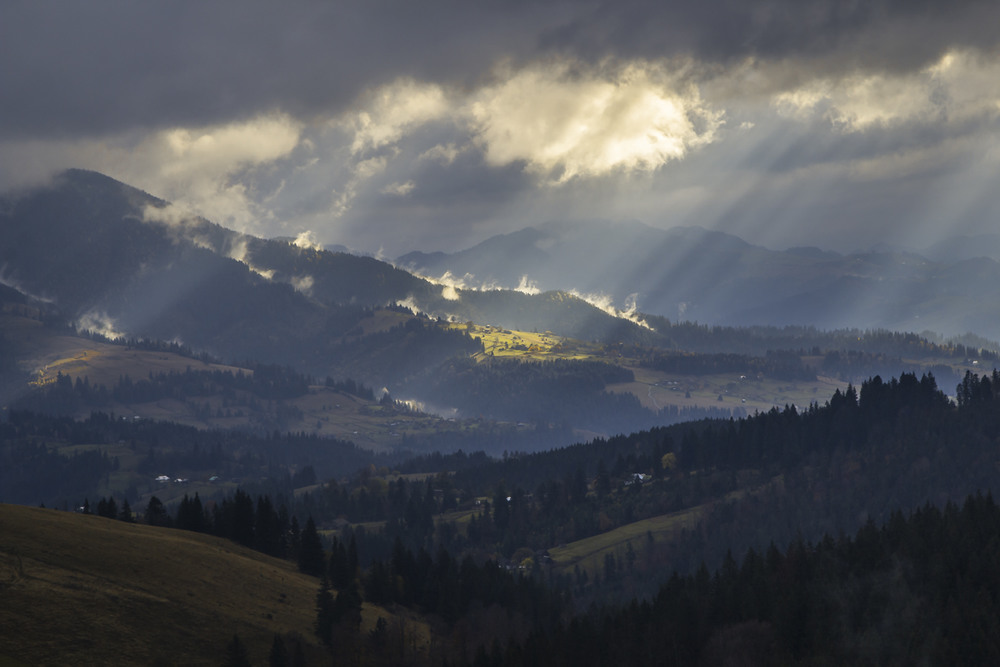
103 363
589 552
85 590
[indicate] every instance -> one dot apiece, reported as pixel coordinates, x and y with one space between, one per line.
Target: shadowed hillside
85 590
116 260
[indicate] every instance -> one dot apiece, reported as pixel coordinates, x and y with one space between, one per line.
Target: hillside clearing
589 552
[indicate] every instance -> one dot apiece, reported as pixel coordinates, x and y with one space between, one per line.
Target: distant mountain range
111 258
963 247
689 273
116 260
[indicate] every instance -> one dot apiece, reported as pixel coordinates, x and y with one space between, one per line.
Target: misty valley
566 445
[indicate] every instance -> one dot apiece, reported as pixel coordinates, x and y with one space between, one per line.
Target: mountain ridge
717 278
120 261
111 259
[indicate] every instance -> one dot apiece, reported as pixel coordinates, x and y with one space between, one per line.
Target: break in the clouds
397 125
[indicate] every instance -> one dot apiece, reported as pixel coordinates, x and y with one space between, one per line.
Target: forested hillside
920 589
861 530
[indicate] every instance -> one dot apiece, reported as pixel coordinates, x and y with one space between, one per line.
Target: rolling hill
85 590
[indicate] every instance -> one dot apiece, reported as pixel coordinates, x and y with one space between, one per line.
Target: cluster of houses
166 479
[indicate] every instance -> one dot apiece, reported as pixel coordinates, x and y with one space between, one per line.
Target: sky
393 126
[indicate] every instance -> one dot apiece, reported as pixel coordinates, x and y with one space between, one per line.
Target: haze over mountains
717 278
105 257
115 260
82 244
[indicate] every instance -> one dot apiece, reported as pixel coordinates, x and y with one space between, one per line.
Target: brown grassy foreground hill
84 590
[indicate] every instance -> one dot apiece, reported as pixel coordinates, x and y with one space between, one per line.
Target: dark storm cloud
69 68
435 124
890 34
96 67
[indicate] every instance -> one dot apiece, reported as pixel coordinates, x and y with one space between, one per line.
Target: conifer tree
236 654
125 514
190 514
325 613
312 559
278 657
156 513
298 656
243 519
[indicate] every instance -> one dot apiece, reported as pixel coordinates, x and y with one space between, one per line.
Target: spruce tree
236 654
278 657
298 656
156 513
125 514
312 560
325 613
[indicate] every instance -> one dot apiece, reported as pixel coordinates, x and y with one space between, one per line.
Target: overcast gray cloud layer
400 125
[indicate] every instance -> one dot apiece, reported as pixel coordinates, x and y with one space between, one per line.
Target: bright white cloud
960 85
198 168
240 252
206 170
449 280
99 322
453 285
560 123
972 83
223 149
182 223
563 124
606 303
307 241
391 111
409 303
526 286
171 215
